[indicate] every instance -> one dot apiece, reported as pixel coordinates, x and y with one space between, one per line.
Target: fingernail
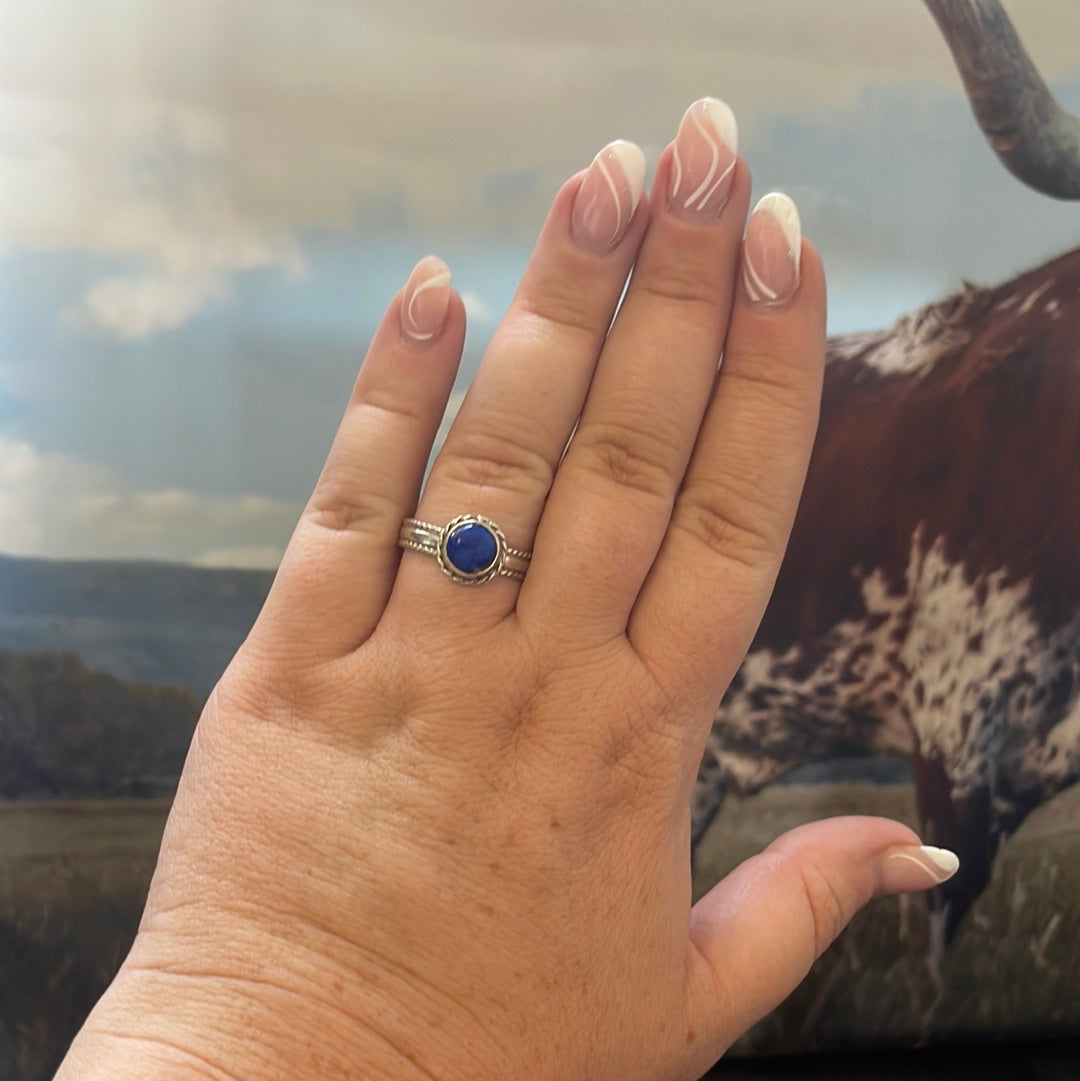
903 870
771 250
703 164
608 197
426 299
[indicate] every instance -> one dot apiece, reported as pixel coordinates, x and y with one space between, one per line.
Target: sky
206 204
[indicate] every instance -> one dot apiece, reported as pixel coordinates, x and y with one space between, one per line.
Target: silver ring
470 549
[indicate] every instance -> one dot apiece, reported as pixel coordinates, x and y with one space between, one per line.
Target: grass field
73 878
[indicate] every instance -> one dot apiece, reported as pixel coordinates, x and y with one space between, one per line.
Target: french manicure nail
916 867
703 163
608 196
771 249
426 299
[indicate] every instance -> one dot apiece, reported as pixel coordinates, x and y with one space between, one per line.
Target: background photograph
205 206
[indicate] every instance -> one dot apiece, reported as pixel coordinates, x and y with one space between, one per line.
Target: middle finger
612 500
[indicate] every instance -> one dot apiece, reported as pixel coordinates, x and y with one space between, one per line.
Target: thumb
755 935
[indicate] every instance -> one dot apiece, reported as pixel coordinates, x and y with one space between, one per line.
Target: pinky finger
337 572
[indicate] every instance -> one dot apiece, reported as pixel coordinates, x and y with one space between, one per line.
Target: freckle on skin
556 824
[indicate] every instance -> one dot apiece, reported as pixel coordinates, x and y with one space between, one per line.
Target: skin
428 831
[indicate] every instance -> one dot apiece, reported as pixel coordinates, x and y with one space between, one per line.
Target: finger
508 437
612 499
755 935
706 594
339 567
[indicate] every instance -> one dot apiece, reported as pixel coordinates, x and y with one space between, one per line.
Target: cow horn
1035 138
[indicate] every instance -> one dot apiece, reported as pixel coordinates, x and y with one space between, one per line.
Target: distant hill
162 625
69 733
158 623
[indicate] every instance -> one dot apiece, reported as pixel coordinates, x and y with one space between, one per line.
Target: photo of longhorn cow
929 603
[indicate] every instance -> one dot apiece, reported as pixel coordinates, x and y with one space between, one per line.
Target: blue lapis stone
471 548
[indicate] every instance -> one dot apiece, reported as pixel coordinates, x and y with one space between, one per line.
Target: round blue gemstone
471 548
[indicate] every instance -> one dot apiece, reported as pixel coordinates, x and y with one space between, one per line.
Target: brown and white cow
929 603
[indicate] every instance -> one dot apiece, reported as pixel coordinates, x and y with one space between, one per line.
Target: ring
470 549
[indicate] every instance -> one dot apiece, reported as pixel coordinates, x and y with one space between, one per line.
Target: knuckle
640 754
558 306
623 744
632 458
381 405
687 286
829 914
341 505
267 685
503 460
737 527
294 690
642 749
772 382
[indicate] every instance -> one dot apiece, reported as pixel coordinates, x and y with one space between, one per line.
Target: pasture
73 879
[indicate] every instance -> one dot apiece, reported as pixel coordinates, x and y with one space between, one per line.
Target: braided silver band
470 549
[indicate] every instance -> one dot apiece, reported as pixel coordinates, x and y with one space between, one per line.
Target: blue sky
201 220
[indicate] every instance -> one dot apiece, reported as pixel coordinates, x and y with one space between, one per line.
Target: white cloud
161 128
197 140
61 507
136 307
143 185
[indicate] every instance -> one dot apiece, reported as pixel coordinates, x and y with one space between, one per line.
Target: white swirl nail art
770 281
414 326
608 196
626 190
605 172
940 864
716 129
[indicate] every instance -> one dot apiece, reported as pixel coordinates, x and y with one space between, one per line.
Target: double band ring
470 549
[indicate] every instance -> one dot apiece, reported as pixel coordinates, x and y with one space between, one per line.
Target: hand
437 831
